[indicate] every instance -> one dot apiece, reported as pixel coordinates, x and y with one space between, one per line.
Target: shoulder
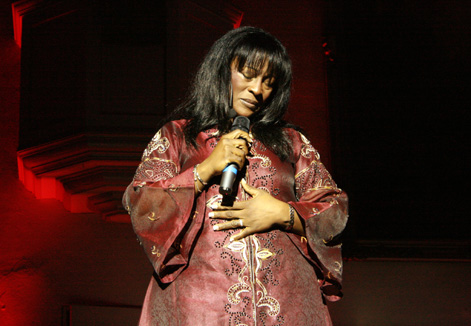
301 144
174 130
170 135
174 125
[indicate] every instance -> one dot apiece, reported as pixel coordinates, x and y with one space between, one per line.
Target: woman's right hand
231 148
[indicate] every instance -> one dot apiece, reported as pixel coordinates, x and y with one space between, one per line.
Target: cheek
236 84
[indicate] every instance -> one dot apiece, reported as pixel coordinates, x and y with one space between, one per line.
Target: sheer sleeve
160 200
323 209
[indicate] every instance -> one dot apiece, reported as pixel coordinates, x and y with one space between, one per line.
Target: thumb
249 189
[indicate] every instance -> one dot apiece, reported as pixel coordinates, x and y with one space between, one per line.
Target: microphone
230 171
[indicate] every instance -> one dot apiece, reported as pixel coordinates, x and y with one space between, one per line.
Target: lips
249 103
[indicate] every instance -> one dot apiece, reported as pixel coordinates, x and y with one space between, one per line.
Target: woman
271 256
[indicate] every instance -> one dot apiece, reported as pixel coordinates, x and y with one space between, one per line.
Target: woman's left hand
261 213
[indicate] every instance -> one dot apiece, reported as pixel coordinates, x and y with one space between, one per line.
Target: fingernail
211 214
215 227
243 180
231 239
214 206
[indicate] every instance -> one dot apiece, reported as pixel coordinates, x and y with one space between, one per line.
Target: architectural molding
87 173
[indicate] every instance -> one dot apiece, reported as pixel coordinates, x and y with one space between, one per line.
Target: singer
272 255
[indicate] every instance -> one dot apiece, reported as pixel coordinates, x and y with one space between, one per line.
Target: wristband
289 227
198 177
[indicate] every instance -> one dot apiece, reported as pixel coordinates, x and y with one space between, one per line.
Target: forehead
258 62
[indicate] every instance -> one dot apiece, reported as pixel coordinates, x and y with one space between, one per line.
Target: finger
242 234
249 189
230 145
238 206
235 155
225 215
238 134
240 152
240 144
232 224
234 147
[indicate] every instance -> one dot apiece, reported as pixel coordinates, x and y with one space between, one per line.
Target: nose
256 86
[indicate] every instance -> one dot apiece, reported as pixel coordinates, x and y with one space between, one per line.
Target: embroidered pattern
156 169
307 148
264 172
157 143
315 175
250 289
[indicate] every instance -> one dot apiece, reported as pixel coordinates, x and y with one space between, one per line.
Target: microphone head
241 123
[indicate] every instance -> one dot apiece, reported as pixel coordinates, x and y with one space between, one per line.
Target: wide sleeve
323 209
160 200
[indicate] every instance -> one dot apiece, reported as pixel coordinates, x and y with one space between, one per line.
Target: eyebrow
268 74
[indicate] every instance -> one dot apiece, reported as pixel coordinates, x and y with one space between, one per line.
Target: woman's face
251 88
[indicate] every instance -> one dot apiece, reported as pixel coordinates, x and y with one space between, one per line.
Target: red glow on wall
235 15
238 21
19 9
47 187
85 172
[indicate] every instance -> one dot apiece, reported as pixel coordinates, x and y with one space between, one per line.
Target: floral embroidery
250 289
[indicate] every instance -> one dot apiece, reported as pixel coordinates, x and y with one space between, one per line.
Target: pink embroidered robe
201 278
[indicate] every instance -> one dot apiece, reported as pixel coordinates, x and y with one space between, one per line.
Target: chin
245 112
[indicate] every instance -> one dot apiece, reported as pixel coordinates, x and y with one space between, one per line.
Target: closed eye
269 81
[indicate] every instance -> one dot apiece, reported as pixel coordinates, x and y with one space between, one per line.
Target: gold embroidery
272 304
264 254
315 175
155 251
307 148
233 294
249 282
266 162
213 201
152 217
159 143
156 169
236 245
328 240
172 188
333 202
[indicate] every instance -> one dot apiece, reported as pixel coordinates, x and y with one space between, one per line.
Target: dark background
399 97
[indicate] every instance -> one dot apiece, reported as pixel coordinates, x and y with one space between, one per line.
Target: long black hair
208 104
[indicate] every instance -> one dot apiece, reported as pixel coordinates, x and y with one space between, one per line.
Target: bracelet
196 180
289 227
198 177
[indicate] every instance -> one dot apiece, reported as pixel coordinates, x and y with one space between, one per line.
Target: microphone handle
227 180
229 173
